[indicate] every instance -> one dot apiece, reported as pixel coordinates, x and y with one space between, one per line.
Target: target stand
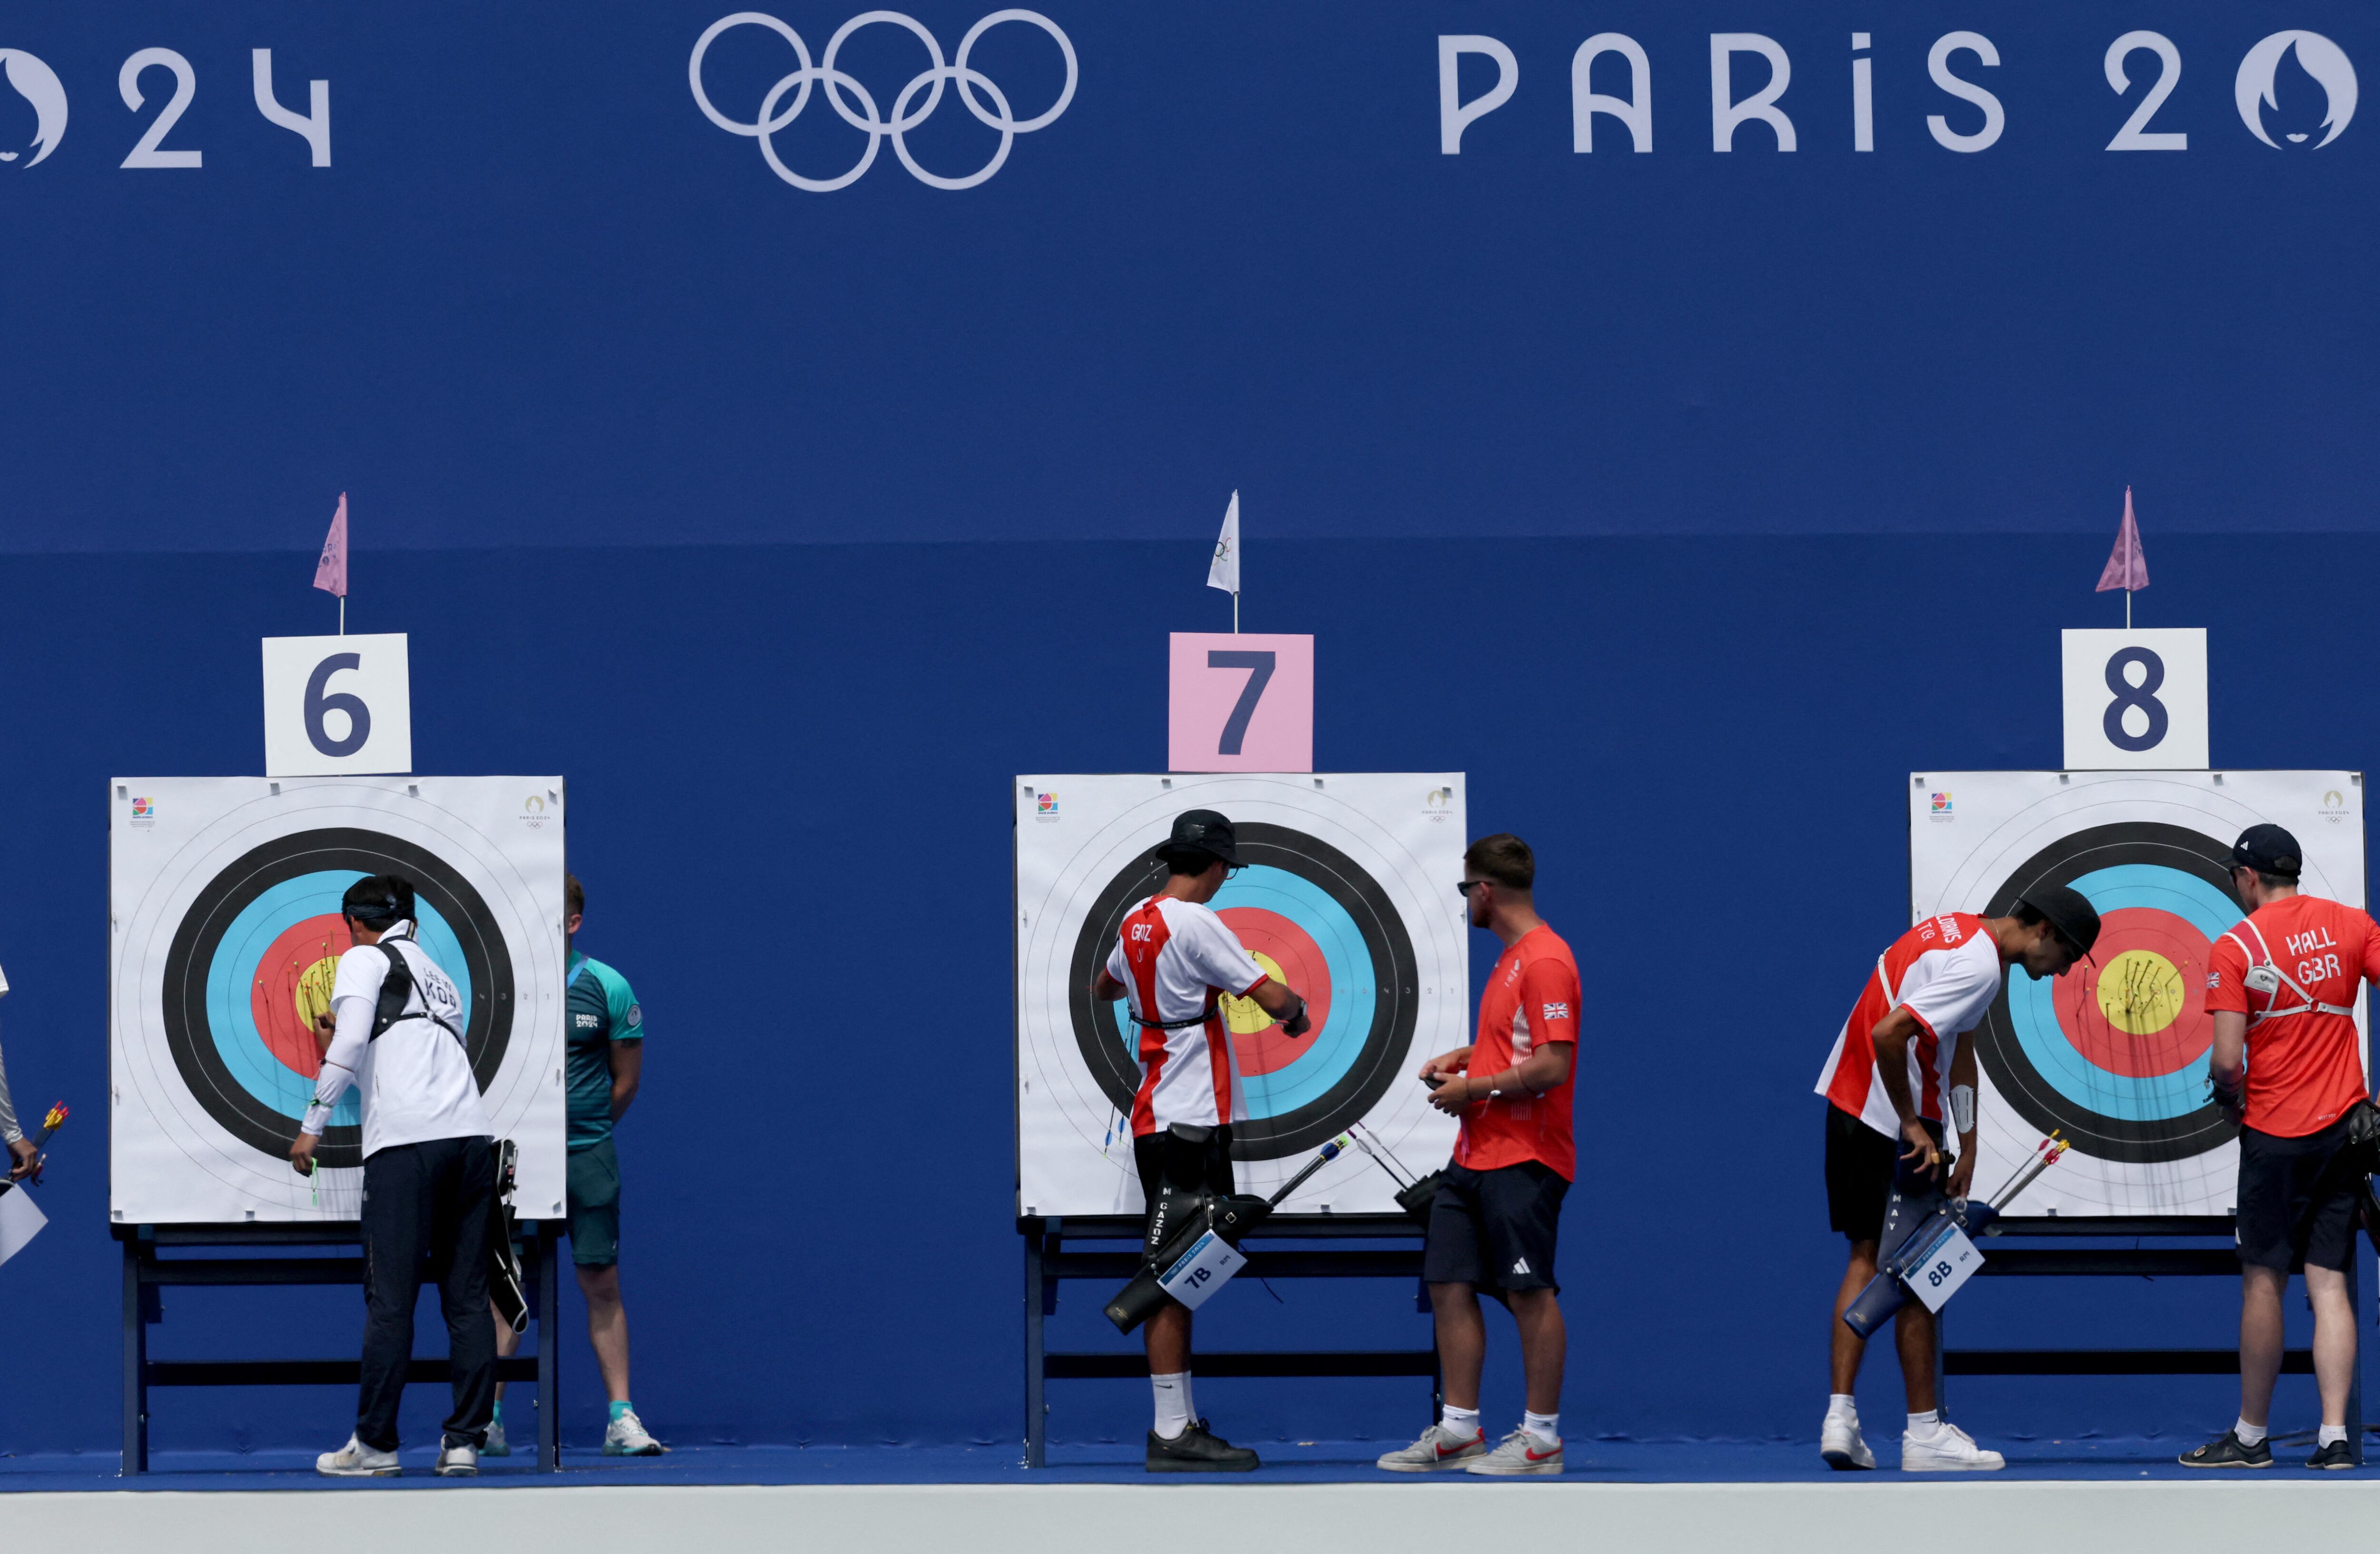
2115 1054
287 1255
1347 896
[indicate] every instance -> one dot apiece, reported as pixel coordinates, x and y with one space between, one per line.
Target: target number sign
1240 703
336 705
2135 700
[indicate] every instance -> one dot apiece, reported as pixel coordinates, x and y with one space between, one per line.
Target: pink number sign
1241 702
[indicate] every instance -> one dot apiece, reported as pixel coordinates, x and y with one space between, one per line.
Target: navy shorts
2277 1177
1495 1229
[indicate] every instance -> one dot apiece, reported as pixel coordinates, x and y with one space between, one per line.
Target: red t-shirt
1532 998
2305 1069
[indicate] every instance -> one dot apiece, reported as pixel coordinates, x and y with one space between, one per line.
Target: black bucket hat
2068 911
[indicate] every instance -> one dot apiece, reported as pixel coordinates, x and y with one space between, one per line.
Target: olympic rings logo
776 113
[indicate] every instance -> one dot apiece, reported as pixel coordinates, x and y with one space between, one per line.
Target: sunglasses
1468 886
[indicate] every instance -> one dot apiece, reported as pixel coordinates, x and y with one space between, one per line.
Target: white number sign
337 705
1948 1263
1202 1270
2136 699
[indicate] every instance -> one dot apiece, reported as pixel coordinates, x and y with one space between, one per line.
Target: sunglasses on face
1468 886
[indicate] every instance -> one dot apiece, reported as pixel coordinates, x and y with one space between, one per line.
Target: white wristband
317 1118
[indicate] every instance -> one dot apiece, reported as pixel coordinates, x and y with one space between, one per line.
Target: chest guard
396 991
2266 977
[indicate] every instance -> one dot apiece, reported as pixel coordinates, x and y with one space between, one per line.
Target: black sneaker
2226 1451
1199 1450
2331 1458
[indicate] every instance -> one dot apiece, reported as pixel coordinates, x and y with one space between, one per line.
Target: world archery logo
914 104
1048 802
144 808
1941 804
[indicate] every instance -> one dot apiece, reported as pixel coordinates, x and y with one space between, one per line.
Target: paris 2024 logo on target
858 107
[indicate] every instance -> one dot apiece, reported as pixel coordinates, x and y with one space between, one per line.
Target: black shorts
1149 1157
1495 1229
1860 1166
2276 1182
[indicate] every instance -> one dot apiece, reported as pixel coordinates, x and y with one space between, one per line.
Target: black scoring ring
2042 1103
190 1038
1395 973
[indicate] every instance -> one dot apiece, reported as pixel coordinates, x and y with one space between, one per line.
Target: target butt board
226 937
1340 898
2114 1054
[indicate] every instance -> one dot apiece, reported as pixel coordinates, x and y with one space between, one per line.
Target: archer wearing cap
1174 963
1897 1062
2287 1067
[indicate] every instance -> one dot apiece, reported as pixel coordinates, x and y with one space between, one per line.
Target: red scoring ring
273 1001
1302 966
2096 1037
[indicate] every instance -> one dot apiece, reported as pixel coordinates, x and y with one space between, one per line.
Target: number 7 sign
1241 701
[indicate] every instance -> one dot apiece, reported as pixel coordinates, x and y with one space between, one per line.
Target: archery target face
2114 1055
1338 899
227 937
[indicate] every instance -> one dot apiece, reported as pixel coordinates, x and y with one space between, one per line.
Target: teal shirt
601 1009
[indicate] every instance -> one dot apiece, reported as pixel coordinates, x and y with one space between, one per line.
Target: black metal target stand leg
1046 1262
277 1255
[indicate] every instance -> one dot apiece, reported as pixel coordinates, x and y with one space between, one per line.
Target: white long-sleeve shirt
415 1078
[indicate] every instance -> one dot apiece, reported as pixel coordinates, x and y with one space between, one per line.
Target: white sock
2329 1435
1189 1390
1924 1424
1841 1405
1173 1394
1545 1427
2251 1434
1458 1421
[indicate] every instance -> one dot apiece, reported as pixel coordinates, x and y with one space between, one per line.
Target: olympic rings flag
776 113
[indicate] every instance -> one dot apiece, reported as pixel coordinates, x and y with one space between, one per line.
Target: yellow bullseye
1245 1015
312 997
2141 992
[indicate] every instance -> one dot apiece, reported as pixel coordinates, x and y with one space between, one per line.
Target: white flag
1225 573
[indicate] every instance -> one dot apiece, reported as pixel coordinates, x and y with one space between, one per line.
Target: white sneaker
496 1445
355 1460
1517 1455
1947 1450
627 1436
1840 1444
457 1460
1437 1450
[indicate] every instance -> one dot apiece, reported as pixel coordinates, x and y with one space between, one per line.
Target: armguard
1962 1108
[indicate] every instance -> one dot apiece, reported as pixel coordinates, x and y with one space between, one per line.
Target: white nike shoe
627 1436
355 1460
496 1445
1947 1450
1840 1444
458 1460
1518 1454
1437 1450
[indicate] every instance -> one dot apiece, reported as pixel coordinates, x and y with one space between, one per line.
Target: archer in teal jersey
604 1033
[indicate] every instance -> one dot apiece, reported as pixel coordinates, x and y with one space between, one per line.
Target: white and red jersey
1175 958
1946 971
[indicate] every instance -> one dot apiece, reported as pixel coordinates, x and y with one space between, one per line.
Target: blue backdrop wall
788 774
1688 500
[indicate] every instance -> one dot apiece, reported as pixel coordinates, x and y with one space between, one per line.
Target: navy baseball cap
2068 911
2268 849
1203 830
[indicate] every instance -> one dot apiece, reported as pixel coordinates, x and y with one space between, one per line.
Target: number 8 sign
2135 700
1241 702
336 705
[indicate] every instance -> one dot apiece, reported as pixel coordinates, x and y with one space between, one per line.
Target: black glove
2231 1097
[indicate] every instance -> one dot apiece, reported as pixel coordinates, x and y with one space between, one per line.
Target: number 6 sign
1241 702
2135 699
336 704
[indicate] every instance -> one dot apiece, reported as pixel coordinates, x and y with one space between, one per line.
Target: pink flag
2127 567
331 572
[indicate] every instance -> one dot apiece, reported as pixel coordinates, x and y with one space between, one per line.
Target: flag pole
2127 609
1236 611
